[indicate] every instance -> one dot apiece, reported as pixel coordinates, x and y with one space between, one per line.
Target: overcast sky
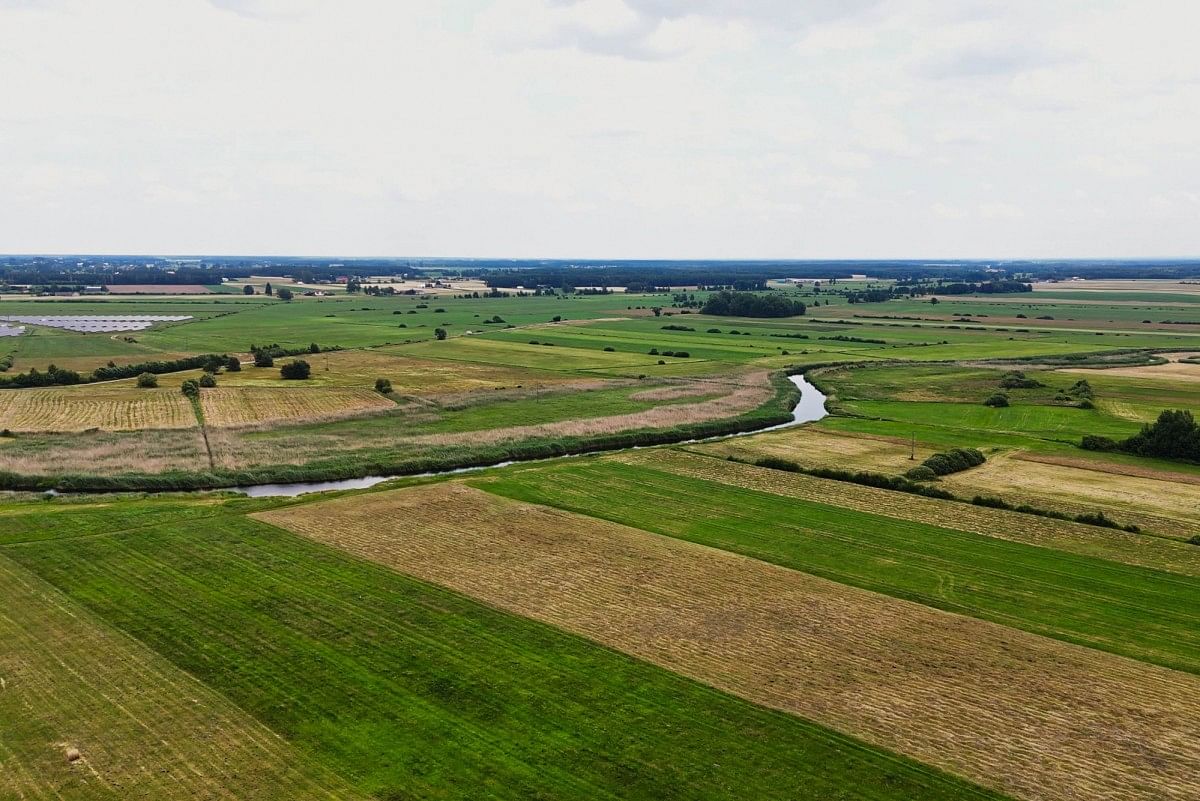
602 128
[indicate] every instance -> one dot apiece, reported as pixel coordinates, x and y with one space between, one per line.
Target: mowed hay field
105 407
1076 598
242 406
87 712
1015 711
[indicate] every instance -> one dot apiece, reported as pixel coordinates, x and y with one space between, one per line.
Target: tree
263 359
297 370
383 386
440 333
749 304
147 381
934 301
232 364
1174 435
208 380
191 388
314 348
248 290
267 289
284 293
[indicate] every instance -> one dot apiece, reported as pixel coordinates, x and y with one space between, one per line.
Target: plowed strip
1015 711
143 729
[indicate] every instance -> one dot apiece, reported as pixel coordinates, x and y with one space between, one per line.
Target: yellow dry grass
105 407
245 406
1116 546
137 726
409 376
1024 714
1163 506
1171 371
153 451
810 447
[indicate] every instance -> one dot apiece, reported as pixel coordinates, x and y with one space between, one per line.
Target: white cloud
649 128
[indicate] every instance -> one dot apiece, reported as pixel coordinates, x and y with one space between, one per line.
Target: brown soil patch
1011 710
1103 543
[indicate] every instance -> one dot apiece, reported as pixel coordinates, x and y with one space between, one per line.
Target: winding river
809 408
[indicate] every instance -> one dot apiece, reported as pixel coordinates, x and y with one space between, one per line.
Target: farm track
1011 710
1117 546
143 728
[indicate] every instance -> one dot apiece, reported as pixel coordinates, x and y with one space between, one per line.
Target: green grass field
406 690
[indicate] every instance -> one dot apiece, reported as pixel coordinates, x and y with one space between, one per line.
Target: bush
653 351
997 401
1195 539
920 473
610 349
440 333
208 381
383 386
775 463
233 364
294 371
954 461
1017 380
263 359
147 381
191 388
247 290
284 293
678 328
1096 443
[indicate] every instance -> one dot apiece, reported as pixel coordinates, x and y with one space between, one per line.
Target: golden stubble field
245 406
103 406
88 713
1025 714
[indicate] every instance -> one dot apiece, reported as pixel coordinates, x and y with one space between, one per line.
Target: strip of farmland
87 713
1146 614
411 691
1027 715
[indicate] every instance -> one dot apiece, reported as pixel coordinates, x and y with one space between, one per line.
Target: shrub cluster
997 400
1017 380
678 328
943 464
295 371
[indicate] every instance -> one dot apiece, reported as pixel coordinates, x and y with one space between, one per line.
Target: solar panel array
109 323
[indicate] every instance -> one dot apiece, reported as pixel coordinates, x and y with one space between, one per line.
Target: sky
601 128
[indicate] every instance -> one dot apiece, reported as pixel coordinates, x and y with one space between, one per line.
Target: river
810 408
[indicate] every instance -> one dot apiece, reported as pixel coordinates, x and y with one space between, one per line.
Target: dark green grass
1146 614
410 691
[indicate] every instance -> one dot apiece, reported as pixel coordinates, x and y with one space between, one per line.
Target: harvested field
243 406
88 713
674 391
1117 546
811 447
1014 711
409 375
1174 370
104 407
1170 508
